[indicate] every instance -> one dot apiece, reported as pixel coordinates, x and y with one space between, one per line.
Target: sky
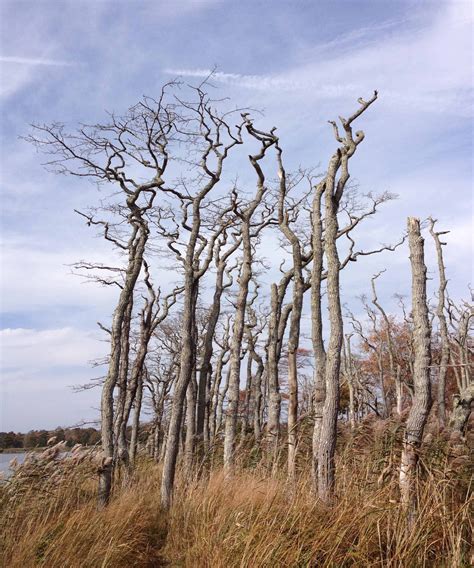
302 63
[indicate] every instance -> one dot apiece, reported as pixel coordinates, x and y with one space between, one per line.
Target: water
6 458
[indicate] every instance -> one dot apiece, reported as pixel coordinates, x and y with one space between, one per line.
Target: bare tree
349 374
248 230
443 326
319 349
152 314
334 189
393 367
222 256
217 397
211 130
461 352
421 373
254 329
107 153
285 223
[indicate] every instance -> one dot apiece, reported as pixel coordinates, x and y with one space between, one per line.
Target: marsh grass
251 520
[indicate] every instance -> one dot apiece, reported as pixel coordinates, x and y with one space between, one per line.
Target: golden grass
253 520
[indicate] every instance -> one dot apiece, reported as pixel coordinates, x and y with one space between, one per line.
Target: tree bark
421 378
181 385
214 312
136 421
443 327
333 190
136 251
236 347
295 322
327 443
247 232
317 328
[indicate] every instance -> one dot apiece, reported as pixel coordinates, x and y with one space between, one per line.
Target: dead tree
286 217
221 256
137 407
249 230
319 349
277 324
218 396
251 334
443 326
393 366
214 140
253 330
349 373
421 373
279 314
107 153
152 315
350 206
333 189
162 370
461 319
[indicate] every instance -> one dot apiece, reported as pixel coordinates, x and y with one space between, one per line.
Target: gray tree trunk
443 327
135 260
214 312
333 193
136 421
421 378
317 328
295 322
327 442
236 347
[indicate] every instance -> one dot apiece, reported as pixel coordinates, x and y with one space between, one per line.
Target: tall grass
253 519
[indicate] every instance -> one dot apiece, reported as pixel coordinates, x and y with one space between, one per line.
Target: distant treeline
39 438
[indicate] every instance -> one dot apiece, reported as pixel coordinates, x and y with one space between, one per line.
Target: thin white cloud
36 61
18 72
426 69
260 82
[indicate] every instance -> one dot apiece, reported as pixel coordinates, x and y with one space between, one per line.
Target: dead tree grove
217 356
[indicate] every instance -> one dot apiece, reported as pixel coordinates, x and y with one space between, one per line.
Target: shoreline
21 450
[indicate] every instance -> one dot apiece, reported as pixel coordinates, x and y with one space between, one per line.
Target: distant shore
20 450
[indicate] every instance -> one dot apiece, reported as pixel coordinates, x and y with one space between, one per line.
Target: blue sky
301 62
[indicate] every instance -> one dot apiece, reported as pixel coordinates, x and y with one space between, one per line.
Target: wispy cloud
396 64
260 82
36 61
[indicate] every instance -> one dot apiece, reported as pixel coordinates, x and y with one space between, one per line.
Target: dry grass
253 520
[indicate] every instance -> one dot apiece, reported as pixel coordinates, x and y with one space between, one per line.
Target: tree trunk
274 397
136 421
181 385
421 379
190 439
236 347
216 398
135 261
443 328
327 443
205 367
462 406
295 322
120 449
317 329
350 382
257 396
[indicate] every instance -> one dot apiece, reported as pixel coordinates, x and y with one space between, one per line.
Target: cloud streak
37 61
425 68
